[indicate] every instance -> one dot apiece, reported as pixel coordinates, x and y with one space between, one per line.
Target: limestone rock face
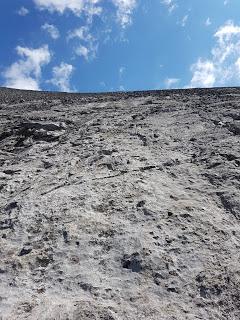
120 206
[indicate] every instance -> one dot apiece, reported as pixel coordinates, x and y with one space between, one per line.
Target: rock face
120 206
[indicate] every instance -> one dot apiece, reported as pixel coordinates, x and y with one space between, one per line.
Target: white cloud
81 33
61 76
184 20
26 72
124 11
226 31
171 82
208 22
203 74
23 11
89 7
226 2
52 30
222 67
82 51
170 4
88 46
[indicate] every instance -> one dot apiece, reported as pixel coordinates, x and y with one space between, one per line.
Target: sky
119 45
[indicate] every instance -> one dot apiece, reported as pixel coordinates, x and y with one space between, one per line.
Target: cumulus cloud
124 11
203 73
227 31
77 7
90 8
51 30
170 4
86 44
171 83
82 51
61 76
23 11
222 66
26 72
81 33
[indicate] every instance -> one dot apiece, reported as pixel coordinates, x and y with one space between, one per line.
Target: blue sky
111 45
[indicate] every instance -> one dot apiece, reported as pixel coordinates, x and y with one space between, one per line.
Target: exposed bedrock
120 206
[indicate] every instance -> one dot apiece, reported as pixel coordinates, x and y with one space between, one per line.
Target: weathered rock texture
120 206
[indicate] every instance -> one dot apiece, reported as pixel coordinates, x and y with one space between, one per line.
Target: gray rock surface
120 206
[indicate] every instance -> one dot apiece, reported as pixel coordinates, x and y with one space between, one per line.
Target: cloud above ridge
223 64
61 76
25 73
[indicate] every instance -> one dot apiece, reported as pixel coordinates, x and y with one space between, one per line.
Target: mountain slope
120 206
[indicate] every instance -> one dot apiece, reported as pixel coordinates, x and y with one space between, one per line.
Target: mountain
120 206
